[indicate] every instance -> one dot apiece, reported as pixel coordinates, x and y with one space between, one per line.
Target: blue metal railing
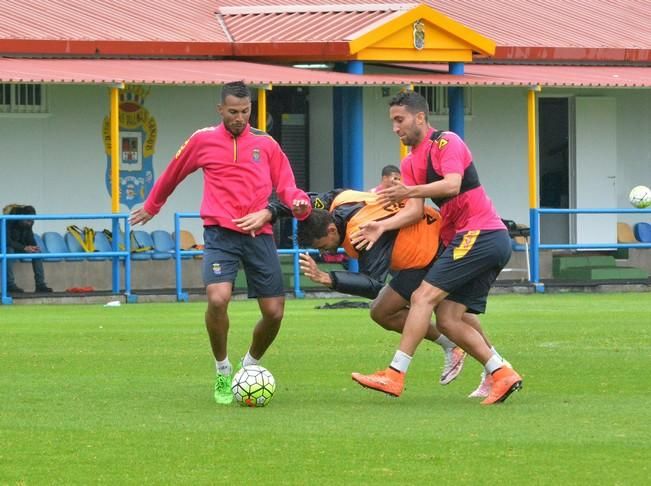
125 255
116 254
536 246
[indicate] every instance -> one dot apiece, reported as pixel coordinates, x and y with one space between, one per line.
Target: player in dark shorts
407 254
440 167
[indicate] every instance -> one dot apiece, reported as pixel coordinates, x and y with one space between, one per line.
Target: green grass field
93 395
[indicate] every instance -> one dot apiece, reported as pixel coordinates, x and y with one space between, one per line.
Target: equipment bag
85 237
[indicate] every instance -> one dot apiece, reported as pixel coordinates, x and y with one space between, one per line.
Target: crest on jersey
255 155
137 142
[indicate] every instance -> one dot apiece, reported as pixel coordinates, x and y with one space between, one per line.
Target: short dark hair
315 226
23 210
414 102
237 89
387 170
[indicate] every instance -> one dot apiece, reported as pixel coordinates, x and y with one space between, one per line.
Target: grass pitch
93 395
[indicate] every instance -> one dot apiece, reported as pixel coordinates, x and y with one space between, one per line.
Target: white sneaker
454 359
484 387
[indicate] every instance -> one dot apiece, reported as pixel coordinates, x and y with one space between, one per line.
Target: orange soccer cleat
505 382
388 381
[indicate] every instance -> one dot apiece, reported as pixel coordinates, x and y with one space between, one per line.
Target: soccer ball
640 197
253 386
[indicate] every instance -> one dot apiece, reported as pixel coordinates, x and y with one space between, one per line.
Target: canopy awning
544 75
218 72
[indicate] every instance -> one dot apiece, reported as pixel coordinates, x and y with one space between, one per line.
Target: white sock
249 360
444 342
506 363
401 361
496 353
224 367
493 363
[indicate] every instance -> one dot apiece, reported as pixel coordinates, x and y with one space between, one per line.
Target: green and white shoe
223 392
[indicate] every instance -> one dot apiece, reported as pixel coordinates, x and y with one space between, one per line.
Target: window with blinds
22 98
437 99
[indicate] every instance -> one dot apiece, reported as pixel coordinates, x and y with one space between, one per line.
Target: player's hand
252 222
396 193
300 207
32 249
139 216
367 235
311 270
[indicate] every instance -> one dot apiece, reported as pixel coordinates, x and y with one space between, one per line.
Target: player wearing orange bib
406 254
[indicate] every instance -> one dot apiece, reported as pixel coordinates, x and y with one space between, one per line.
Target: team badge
466 244
419 35
137 142
216 269
255 155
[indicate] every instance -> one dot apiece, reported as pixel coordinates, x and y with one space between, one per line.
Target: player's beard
236 130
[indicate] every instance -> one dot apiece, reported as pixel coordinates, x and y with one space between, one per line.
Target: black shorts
224 251
405 282
469 265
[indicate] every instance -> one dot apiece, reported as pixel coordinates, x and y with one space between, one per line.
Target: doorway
287 123
554 167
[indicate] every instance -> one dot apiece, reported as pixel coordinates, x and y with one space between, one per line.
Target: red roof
580 30
588 30
196 72
113 27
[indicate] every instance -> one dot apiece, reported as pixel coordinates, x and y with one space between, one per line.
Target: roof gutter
27 47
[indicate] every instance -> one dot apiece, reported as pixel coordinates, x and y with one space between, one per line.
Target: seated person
20 239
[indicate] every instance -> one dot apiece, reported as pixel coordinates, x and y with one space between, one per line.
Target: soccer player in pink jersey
241 166
477 247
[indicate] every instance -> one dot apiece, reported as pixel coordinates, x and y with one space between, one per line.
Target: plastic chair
73 245
55 243
141 239
519 234
643 232
163 245
40 243
101 243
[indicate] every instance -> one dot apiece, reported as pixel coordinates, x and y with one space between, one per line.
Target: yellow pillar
262 108
115 150
532 143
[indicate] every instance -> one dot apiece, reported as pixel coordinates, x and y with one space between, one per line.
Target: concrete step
602 273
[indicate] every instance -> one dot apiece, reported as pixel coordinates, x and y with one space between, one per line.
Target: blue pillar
354 139
455 101
354 153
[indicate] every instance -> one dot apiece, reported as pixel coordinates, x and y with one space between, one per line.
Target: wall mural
137 146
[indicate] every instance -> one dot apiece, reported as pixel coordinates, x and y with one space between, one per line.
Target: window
22 98
437 99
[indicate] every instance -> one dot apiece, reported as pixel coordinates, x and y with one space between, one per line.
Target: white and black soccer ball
253 386
640 197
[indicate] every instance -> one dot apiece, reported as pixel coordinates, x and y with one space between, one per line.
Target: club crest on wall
419 35
137 146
